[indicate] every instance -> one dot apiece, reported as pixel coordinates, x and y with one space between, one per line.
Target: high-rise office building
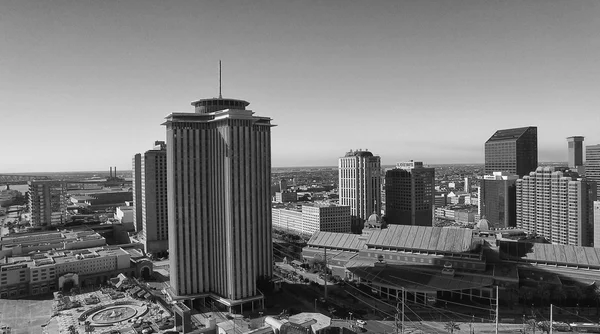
360 183
410 194
219 201
497 199
575 153
557 204
513 151
152 178
48 202
136 170
592 165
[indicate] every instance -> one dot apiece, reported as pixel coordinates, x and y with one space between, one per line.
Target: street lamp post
315 305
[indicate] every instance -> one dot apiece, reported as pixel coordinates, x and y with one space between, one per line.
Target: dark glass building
514 151
499 201
409 194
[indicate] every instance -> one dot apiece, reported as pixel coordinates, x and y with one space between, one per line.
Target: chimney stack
115 171
110 172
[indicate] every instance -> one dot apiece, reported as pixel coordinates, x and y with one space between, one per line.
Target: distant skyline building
556 204
154 233
283 185
219 201
360 183
575 153
592 165
410 194
498 202
467 185
136 172
514 151
47 202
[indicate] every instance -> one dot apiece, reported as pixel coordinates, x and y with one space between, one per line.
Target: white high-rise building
556 204
360 183
219 201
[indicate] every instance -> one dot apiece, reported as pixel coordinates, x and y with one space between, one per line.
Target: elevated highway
19 179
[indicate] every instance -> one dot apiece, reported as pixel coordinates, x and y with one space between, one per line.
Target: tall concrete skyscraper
48 202
152 177
513 151
498 202
592 164
557 204
575 156
219 204
136 170
410 194
360 183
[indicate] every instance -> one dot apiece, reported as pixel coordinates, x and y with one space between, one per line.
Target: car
361 322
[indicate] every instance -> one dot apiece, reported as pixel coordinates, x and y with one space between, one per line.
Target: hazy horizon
86 85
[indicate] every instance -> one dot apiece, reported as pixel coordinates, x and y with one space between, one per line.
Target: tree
72 329
559 294
531 325
451 326
544 326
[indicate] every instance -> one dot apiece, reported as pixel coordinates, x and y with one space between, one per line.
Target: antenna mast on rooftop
220 96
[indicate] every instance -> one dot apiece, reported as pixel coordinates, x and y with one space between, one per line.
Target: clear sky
86 84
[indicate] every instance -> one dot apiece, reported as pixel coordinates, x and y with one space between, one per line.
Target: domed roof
483 224
374 219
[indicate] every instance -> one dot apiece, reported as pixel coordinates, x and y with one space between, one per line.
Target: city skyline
428 81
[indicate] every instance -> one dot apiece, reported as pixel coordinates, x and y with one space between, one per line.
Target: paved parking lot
25 316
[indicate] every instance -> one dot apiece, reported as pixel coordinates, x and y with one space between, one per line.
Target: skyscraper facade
556 204
410 194
136 171
592 164
513 151
498 202
575 153
360 183
154 232
48 202
219 205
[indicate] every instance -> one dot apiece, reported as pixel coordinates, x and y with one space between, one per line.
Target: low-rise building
43 272
286 196
25 243
309 218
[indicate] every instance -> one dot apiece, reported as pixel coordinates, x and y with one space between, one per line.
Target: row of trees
544 294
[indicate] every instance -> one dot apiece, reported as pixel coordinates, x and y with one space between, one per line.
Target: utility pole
497 309
403 301
396 319
399 329
325 281
551 322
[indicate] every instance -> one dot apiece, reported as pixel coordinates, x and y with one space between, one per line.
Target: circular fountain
113 314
